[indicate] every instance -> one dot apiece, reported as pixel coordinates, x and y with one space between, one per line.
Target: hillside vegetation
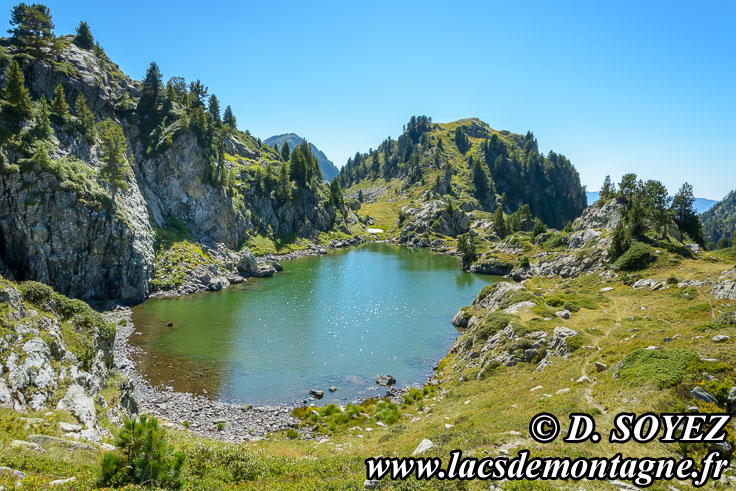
328 168
719 223
470 165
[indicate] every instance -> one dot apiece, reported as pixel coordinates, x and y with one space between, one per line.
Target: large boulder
434 216
605 215
77 402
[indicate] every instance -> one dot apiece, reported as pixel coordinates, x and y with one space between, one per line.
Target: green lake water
339 319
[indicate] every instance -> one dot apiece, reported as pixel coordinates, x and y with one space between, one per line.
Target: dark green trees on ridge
512 164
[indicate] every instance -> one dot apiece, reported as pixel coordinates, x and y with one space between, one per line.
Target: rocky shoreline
209 418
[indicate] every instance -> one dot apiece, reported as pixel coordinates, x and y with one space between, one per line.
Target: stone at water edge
386 380
332 389
423 446
317 394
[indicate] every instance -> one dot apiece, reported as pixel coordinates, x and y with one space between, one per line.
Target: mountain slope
328 168
187 181
471 165
720 220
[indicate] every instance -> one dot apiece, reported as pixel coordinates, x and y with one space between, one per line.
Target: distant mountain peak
328 168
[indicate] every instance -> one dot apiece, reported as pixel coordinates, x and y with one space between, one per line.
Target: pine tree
59 107
32 26
113 146
213 107
16 94
620 241
84 38
657 204
228 118
336 194
499 223
608 190
466 248
285 151
198 92
686 217
481 182
284 184
43 120
86 119
149 104
628 186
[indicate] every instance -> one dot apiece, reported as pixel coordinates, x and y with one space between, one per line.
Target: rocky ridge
59 226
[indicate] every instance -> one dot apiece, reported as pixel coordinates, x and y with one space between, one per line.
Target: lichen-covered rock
649 283
491 296
436 217
601 216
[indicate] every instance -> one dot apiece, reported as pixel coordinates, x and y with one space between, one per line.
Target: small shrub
637 257
292 434
575 342
661 368
672 280
142 457
492 324
524 262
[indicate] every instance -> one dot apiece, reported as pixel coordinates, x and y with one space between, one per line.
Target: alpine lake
335 320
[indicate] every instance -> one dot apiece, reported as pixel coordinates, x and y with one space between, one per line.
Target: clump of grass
386 412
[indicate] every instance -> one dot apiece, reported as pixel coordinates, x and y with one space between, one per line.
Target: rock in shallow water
385 380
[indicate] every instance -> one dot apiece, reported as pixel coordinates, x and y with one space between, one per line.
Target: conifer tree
481 182
84 38
86 119
499 223
32 26
113 146
149 104
43 121
16 94
285 151
608 190
284 184
59 107
213 107
228 118
336 194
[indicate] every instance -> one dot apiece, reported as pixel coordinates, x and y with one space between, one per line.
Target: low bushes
637 257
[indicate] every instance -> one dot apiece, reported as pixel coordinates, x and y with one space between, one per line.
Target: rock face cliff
63 223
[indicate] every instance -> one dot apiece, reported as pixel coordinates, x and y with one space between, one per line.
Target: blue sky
648 87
